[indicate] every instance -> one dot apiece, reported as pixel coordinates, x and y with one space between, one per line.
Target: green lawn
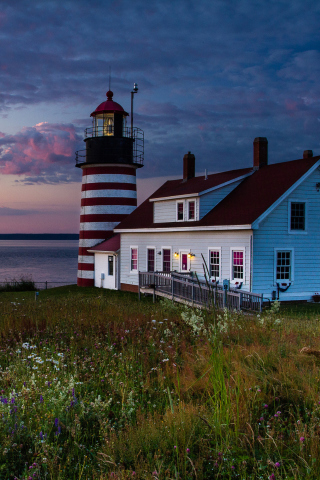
97 385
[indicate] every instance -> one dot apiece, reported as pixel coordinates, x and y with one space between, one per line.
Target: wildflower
265 406
41 399
277 464
272 476
175 447
56 422
188 450
302 439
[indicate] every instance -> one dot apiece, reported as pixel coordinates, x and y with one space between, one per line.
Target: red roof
110 245
198 184
109 106
247 202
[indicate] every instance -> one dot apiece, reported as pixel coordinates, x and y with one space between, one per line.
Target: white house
258 227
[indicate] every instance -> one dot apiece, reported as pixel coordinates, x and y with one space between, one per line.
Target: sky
212 76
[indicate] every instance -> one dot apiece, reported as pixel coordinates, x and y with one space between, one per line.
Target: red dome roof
109 106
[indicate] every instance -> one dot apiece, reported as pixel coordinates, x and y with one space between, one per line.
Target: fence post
139 294
261 302
172 286
46 285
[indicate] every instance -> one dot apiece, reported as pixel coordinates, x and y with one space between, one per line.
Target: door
184 262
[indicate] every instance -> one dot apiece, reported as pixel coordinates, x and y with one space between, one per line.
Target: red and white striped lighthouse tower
109 162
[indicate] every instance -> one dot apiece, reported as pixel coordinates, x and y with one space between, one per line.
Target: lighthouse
109 162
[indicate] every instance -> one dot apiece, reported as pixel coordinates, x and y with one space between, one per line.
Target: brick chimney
260 152
188 166
307 154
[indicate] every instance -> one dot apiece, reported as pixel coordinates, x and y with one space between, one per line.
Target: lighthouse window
108 122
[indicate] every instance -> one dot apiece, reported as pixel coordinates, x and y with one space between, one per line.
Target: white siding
211 199
196 242
165 211
274 233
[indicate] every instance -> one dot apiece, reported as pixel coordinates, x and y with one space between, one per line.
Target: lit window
180 211
283 265
134 259
166 266
214 263
110 265
298 216
191 210
108 122
237 265
151 257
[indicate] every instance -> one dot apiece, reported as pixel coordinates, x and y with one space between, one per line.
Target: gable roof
196 185
245 204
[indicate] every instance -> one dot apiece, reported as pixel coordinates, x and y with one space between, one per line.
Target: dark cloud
212 75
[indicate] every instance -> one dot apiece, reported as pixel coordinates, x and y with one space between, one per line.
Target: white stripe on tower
108 196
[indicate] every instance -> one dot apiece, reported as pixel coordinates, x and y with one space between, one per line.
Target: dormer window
191 210
180 211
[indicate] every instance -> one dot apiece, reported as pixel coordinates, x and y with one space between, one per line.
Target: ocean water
41 260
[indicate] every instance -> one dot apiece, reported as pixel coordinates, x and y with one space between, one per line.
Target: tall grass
95 385
24 284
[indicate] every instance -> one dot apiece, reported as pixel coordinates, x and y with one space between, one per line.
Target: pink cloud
38 150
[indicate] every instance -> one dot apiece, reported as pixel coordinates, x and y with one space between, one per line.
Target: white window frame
183 210
214 249
291 280
162 257
195 210
235 279
132 247
298 232
155 259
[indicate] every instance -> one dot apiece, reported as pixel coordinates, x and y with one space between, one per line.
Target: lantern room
109 118
109 140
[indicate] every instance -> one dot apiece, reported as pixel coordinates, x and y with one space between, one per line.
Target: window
237 265
179 211
214 263
166 262
110 265
298 216
134 259
150 260
191 210
283 267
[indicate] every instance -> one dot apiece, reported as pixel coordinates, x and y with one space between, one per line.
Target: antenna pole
109 78
135 89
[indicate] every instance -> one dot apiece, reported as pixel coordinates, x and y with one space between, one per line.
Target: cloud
43 153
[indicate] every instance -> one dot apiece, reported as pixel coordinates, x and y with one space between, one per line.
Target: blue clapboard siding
273 233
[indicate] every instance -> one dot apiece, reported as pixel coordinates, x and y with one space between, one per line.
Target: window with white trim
283 265
166 259
237 270
191 209
180 211
297 216
214 263
134 259
151 259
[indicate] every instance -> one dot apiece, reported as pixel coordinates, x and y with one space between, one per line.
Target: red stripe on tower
112 155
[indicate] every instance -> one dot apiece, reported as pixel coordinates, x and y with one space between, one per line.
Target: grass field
96 385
